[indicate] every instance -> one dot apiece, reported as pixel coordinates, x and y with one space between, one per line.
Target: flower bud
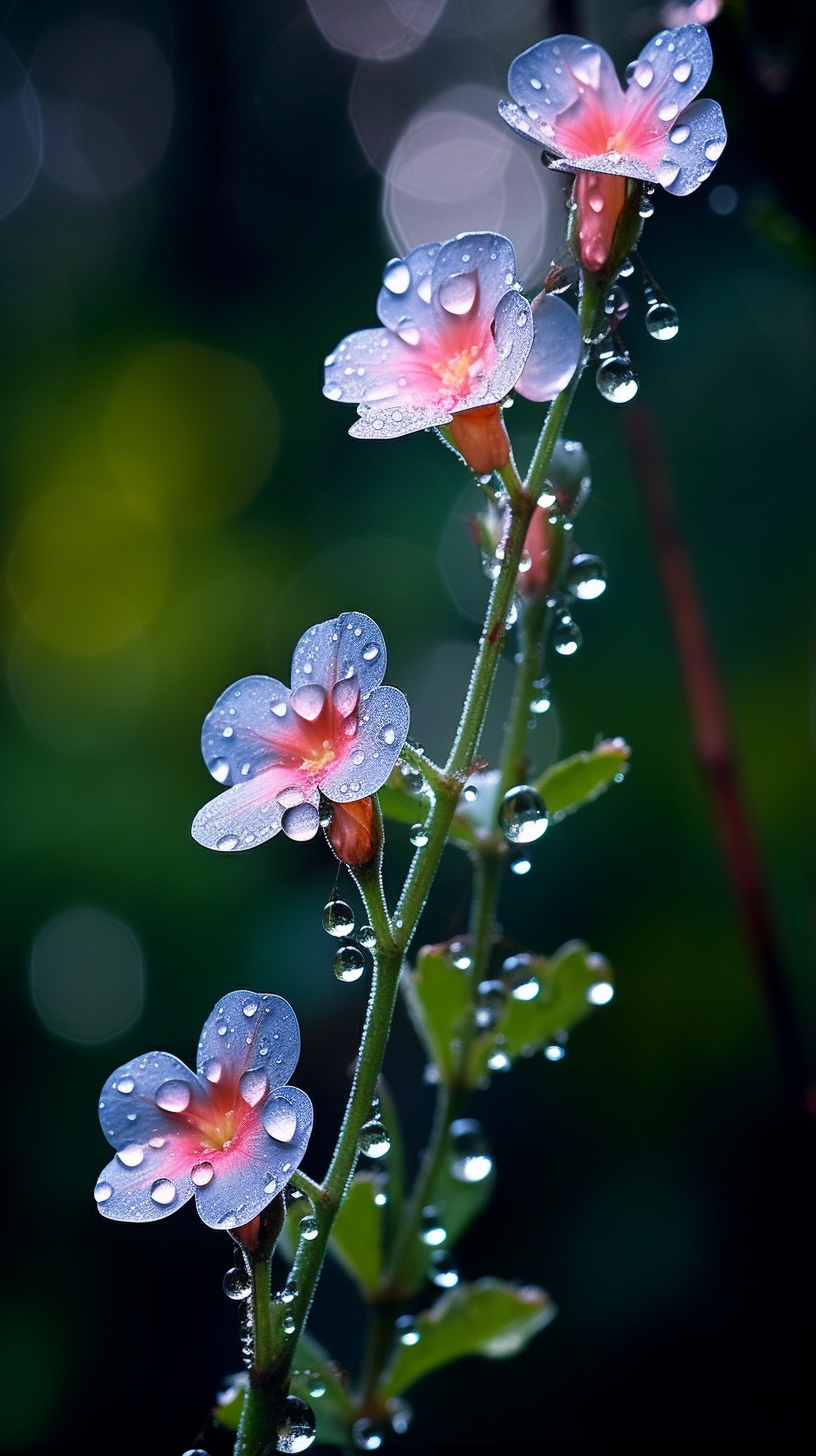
354 832
481 438
606 221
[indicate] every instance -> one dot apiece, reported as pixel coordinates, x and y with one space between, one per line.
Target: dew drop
288 1326
682 71
308 1229
680 134
432 1231
367 937
296 1422
173 1096
338 918
348 963
253 1086
237 1284
220 770
371 652
131 1156
472 1162
125 1084
388 734
522 815
490 1002
661 320
374 1139
567 636
407 1331
316 1386
643 73
367 1435
586 577
418 835
555 1052
301 822
457 293
397 276
163 1192
408 332
616 379
601 993
443 1272
227 842
498 1061
279 1120
202 1174
714 150
102 1192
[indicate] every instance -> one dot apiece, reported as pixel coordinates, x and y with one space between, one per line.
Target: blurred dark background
197 200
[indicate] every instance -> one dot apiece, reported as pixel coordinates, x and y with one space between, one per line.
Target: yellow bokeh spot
192 431
88 567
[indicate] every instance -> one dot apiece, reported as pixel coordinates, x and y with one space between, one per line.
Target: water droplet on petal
227 842
388 734
682 71
131 1156
279 1120
163 1192
338 918
522 815
643 73
220 770
125 1084
457 293
397 276
102 1192
348 963
408 332
374 1139
173 1096
301 822
253 1086
202 1174
371 652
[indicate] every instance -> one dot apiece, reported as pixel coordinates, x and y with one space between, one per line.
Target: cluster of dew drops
616 376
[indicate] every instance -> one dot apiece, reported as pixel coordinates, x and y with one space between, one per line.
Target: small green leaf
438 996
357 1232
312 1368
563 1000
580 779
487 1318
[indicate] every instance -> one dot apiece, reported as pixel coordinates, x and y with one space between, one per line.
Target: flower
556 350
232 1133
567 99
456 337
336 732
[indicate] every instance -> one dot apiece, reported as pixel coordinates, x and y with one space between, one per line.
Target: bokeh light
106 95
383 29
88 567
457 168
87 705
20 131
87 976
192 431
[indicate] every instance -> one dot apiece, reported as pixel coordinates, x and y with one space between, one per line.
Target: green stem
514 762
418 759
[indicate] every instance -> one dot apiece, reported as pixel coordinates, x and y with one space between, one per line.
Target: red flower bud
599 198
354 832
481 438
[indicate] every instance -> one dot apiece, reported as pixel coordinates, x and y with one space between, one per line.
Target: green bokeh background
652 1182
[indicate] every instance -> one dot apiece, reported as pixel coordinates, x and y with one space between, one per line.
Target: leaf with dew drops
438 996
565 786
489 1318
570 985
357 1232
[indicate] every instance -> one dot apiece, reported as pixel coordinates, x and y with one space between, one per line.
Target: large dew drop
407 1332
253 1086
397 276
301 822
661 320
443 1272
237 1284
374 1139
163 1192
490 1002
367 1435
296 1424
567 636
617 379
202 1174
522 815
472 1162
586 577
279 1120
348 963
173 1096
338 918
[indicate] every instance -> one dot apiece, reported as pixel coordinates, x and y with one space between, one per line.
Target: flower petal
695 143
128 1111
249 813
256 1165
249 1029
513 334
389 423
347 646
247 729
669 72
157 1187
487 259
369 365
404 299
382 727
553 76
556 350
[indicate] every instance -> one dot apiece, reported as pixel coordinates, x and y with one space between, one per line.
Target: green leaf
487 1318
578 780
333 1410
438 996
562 1001
458 1204
357 1232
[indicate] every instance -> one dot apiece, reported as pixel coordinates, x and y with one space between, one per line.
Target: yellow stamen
455 372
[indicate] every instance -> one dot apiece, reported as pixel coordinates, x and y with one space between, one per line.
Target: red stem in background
713 743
